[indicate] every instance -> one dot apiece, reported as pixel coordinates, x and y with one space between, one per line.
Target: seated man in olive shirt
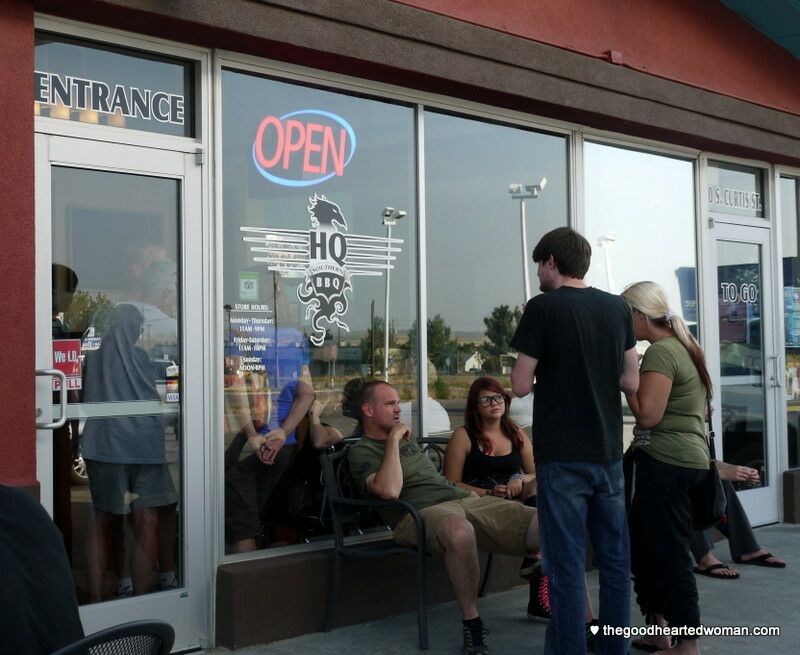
388 463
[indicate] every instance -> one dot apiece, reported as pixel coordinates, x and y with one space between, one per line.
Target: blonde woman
670 459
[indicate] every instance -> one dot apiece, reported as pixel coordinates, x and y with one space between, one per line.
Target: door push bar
54 373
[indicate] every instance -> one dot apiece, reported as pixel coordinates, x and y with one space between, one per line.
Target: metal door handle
62 397
776 372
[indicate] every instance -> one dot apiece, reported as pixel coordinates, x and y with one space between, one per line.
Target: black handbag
708 497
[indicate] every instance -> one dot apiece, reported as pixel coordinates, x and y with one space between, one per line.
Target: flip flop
761 560
716 567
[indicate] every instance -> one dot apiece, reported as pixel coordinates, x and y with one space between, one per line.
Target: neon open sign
306 142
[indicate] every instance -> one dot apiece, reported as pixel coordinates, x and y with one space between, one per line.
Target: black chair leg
333 599
482 590
422 603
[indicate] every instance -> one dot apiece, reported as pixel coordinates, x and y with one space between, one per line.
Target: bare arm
387 481
522 375
322 436
275 439
629 380
528 465
458 447
650 401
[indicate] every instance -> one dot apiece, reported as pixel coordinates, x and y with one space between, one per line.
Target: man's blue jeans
571 497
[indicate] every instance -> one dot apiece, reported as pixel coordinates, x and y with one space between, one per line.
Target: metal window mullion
422 273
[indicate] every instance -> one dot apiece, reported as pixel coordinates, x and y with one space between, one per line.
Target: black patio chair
134 638
349 512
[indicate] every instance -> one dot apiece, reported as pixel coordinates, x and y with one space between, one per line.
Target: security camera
401 214
388 211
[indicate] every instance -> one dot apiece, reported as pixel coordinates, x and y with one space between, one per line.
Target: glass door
751 377
116 378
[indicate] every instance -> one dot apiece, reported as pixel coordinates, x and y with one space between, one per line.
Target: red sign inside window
67 359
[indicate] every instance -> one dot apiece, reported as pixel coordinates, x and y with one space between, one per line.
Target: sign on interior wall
326 257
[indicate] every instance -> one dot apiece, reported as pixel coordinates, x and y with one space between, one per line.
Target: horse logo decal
326 257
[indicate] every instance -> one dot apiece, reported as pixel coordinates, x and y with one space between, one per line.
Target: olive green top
423 485
680 437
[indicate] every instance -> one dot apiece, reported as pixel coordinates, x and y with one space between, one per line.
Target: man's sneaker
591 637
475 640
539 603
530 564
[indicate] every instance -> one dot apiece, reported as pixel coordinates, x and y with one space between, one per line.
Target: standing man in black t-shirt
578 342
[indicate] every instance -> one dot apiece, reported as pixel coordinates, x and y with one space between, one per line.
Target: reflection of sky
788 193
646 202
474 250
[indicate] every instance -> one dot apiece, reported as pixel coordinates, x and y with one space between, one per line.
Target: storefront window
314 184
790 219
475 254
636 202
734 189
94 83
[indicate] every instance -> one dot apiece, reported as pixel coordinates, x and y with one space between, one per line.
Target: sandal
709 571
761 560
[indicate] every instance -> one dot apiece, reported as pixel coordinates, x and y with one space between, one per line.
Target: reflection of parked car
78 472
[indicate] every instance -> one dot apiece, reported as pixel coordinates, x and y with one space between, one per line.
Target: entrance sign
326 257
128 101
104 84
288 148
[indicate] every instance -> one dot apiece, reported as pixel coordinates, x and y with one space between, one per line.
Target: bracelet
516 476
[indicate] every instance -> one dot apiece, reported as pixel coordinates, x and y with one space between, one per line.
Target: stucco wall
703 44
17 433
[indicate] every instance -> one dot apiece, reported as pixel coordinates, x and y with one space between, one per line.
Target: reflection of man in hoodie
125 455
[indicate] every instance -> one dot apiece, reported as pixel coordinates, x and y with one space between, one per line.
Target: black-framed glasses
486 401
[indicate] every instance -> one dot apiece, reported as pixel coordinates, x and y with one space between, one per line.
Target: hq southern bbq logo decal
326 257
303 148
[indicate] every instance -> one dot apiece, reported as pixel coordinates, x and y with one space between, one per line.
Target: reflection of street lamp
605 242
389 217
523 192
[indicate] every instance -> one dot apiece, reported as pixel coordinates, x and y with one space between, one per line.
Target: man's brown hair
570 250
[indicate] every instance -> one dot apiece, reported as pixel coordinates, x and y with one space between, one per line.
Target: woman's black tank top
486 471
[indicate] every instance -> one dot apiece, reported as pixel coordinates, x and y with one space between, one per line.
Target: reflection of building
474 363
275 103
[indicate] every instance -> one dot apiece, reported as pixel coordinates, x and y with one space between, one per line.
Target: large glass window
789 191
640 223
486 185
318 275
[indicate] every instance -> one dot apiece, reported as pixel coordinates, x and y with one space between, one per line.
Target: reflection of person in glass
65 438
266 444
125 455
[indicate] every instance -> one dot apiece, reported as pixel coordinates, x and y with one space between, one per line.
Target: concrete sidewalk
761 597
